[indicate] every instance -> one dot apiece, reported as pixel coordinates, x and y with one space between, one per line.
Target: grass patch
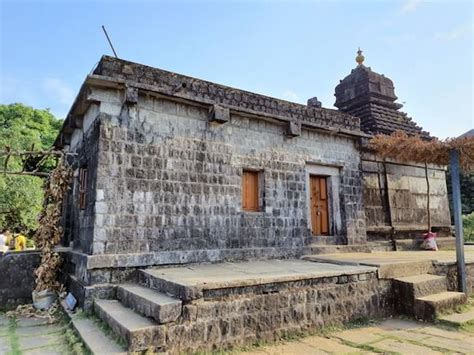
14 341
75 344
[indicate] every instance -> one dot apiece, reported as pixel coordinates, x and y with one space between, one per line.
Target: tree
21 128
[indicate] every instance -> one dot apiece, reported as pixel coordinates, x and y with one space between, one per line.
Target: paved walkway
389 336
33 336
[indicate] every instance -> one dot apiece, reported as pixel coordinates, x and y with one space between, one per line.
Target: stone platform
197 280
389 263
207 307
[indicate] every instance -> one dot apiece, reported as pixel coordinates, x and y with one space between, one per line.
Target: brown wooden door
319 205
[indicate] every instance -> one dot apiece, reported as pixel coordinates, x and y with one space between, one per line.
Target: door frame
332 174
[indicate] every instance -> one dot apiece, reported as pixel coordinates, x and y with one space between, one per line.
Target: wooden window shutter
82 188
250 191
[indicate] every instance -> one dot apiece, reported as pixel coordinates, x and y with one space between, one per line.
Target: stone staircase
139 316
425 296
142 313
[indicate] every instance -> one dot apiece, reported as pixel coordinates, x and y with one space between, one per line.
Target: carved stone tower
371 97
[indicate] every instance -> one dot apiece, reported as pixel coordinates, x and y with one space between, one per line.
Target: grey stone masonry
192 87
165 156
170 180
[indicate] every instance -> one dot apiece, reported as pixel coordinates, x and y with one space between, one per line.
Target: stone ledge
257 277
144 259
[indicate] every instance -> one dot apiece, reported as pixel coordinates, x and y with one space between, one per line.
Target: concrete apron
395 264
206 280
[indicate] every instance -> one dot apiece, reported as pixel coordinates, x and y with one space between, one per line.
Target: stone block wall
234 321
17 280
138 74
396 195
79 223
168 179
451 273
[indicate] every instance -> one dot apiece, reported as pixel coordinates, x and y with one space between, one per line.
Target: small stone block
218 113
293 129
131 95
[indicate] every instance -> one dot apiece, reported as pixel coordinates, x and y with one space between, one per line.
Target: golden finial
360 58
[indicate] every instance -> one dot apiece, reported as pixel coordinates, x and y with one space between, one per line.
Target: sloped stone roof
216 93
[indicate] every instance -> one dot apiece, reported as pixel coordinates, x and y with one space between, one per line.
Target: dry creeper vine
50 232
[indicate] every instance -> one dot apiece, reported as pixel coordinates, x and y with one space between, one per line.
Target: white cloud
290 95
410 6
59 89
454 34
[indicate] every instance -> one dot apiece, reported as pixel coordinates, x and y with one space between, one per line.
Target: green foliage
22 127
468 224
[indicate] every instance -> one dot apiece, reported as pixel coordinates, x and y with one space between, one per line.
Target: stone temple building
172 169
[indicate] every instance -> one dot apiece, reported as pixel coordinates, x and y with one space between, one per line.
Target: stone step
391 270
385 245
92 335
361 248
409 288
333 249
458 319
412 244
137 331
150 303
428 307
420 285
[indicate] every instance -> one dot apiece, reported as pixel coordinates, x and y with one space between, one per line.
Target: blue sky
288 49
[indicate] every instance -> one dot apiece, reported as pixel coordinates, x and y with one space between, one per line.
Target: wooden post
461 266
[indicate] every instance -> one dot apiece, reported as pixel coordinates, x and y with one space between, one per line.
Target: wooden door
319 205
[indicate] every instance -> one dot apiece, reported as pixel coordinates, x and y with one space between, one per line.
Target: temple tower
371 97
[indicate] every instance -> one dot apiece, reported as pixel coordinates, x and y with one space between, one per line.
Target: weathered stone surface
395 196
219 113
195 88
403 347
458 319
17 269
218 280
428 307
293 129
165 184
149 303
139 332
94 338
409 288
242 318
